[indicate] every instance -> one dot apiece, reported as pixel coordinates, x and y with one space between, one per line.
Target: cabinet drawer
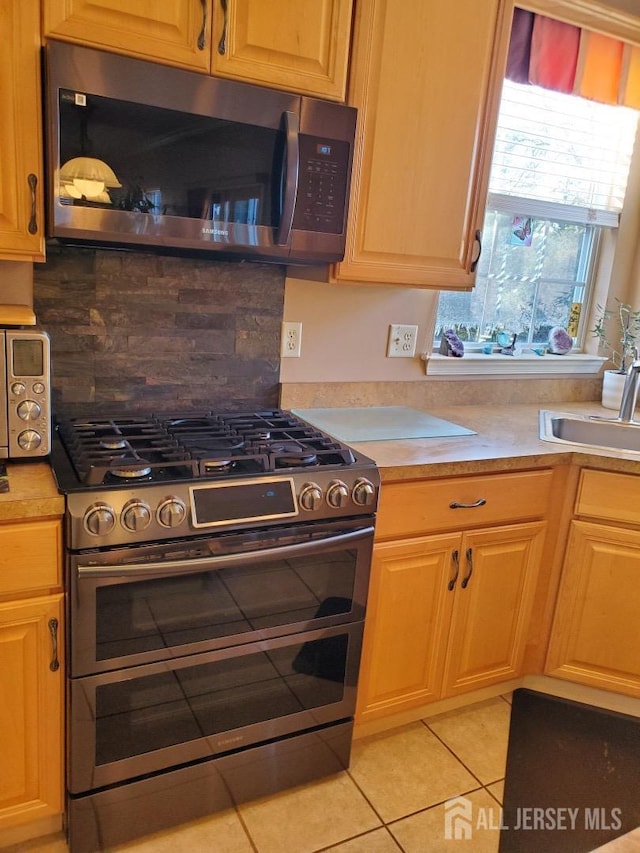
408 509
30 556
610 496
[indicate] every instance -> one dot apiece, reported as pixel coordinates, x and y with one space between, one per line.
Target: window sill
526 364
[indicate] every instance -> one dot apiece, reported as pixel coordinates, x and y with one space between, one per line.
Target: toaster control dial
136 515
310 497
171 512
29 439
99 519
29 410
337 494
363 492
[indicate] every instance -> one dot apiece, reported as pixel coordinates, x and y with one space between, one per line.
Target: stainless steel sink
589 431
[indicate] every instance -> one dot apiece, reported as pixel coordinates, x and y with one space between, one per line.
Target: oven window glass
143 616
168 163
152 712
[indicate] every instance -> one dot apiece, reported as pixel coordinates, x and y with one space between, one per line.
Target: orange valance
566 58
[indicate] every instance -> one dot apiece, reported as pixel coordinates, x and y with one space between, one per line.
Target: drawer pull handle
469 556
54 666
222 44
456 505
202 38
455 559
32 227
474 264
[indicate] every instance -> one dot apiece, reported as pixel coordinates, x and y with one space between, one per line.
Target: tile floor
390 800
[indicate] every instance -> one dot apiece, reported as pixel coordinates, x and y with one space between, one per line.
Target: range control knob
136 515
310 497
171 512
337 494
99 519
18 388
29 439
364 492
29 410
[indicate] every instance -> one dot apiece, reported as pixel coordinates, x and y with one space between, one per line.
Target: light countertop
506 439
32 493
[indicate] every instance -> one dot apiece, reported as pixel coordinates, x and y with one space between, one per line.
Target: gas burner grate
195 445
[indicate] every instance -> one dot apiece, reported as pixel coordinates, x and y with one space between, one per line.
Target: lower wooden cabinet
447 614
595 639
31 710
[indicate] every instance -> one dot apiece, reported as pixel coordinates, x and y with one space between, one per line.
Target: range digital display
221 503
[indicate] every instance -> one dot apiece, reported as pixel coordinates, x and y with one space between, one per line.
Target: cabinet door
407 624
21 208
30 711
176 33
493 602
425 78
301 45
594 638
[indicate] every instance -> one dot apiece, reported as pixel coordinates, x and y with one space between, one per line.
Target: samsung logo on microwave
217 232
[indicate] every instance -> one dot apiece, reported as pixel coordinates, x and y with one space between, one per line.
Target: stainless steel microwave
25 395
147 156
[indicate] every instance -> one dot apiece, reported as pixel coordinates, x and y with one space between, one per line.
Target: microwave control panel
322 184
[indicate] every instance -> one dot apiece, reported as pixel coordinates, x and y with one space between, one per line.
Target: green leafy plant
622 325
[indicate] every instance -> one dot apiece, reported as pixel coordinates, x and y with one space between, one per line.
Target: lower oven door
148 718
130 606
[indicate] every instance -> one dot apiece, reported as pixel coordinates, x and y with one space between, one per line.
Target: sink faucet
630 390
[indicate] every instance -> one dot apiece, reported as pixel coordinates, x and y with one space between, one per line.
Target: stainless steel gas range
217 574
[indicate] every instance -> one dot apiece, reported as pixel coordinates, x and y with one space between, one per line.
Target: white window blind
557 148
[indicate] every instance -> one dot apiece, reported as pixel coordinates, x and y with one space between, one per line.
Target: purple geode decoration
450 344
560 341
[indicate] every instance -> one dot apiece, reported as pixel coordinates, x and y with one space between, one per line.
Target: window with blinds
559 175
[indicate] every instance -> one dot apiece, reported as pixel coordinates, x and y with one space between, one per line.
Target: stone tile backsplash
133 332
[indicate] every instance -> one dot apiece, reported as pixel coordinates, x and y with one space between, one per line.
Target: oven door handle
185 567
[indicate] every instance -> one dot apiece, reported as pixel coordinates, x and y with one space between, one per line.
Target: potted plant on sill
622 325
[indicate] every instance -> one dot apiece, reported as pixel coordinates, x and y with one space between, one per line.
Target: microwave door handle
185 567
290 174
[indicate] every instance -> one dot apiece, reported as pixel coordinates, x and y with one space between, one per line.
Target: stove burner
292 453
113 443
218 465
131 471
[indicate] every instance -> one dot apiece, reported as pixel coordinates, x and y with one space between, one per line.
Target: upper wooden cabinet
298 45
21 207
177 33
426 79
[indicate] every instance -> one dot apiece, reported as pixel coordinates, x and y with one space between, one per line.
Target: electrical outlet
402 341
291 340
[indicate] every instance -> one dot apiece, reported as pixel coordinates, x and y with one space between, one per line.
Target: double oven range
217 568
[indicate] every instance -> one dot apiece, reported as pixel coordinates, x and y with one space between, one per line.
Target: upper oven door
130 606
